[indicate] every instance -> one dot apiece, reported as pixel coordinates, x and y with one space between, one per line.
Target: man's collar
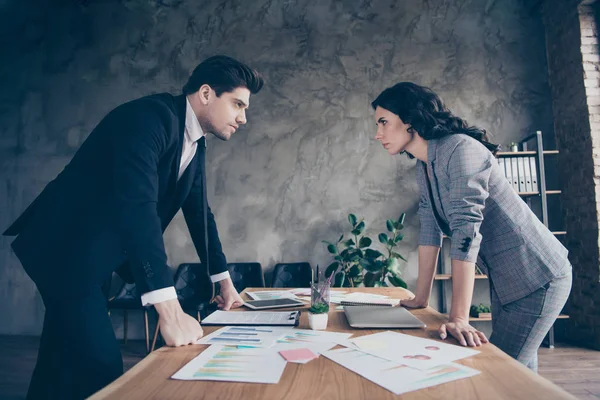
193 130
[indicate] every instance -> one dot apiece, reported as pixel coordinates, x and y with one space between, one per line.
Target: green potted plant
348 254
379 266
318 316
480 311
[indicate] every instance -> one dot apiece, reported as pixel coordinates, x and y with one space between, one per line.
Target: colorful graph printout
257 336
234 364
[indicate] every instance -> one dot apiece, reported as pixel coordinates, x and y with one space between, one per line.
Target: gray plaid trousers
519 327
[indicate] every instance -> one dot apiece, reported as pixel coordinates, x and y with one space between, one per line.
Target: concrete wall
307 157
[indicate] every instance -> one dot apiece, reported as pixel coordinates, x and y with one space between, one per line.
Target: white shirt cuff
219 277
158 296
169 293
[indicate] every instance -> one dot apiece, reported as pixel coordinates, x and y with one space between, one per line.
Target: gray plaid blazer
486 219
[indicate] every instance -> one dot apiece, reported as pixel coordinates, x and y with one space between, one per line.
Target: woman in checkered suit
465 195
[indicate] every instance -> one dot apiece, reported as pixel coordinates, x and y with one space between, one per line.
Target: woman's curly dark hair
424 111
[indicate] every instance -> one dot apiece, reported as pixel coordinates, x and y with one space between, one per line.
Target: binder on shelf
515 174
527 168
534 182
507 170
521 169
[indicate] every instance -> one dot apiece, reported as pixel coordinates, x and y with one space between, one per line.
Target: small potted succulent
480 311
317 316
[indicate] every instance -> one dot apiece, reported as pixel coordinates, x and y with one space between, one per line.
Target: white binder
534 181
515 174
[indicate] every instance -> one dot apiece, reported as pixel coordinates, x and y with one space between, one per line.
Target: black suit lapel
180 104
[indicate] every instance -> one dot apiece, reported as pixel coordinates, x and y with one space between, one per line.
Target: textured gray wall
307 157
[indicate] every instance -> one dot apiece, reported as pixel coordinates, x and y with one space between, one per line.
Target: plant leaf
339 278
401 219
367 264
383 238
371 266
331 269
349 242
393 265
354 271
391 243
394 254
360 227
357 280
364 241
352 219
390 225
396 281
399 238
332 249
372 254
370 278
341 237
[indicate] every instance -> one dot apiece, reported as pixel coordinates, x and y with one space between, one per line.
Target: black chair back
246 274
290 275
127 298
193 284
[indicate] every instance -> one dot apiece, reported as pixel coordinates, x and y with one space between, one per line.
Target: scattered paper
410 350
394 376
233 364
300 291
256 336
308 336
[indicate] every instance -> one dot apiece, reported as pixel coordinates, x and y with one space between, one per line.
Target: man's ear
204 94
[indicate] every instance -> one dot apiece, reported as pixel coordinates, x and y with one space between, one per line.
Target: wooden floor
575 369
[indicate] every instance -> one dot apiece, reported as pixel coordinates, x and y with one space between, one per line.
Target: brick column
574 77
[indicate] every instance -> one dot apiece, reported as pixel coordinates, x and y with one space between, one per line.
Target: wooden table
501 377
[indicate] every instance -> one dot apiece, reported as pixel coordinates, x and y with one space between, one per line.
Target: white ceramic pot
317 322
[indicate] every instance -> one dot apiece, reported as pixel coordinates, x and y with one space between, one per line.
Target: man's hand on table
228 297
176 327
463 332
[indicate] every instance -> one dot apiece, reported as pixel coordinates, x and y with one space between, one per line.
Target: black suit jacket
113 201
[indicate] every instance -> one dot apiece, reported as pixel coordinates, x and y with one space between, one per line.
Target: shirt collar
193 130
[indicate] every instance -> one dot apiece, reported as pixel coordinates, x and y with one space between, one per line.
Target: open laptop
381 317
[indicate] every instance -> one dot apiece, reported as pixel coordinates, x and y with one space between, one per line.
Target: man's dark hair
223 74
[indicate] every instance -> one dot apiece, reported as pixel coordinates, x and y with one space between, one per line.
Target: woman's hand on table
462 331
414 302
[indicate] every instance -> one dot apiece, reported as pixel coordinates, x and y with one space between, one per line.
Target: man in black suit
107 211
